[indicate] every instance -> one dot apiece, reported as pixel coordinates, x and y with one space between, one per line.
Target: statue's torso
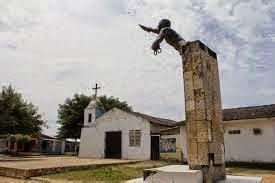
171 37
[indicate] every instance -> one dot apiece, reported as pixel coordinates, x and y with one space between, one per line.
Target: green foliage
12 138
111 102
71 113
19 138
16 115
22 139
108 173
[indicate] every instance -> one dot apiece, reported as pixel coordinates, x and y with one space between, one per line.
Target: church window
234 132
134 138
90 117
257 131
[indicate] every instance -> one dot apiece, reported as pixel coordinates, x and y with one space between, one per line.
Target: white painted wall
245 147
184 142
88 111
3 144
92 143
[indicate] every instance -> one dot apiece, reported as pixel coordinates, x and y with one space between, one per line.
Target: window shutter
134 138
138 136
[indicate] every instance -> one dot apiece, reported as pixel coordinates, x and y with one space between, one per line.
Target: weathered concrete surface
24 167
241 179
229 179
204 131
172 174
182 173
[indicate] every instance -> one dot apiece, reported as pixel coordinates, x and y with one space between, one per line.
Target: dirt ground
12 180
53 161
33 162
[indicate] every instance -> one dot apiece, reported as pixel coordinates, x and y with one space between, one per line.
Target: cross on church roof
96 88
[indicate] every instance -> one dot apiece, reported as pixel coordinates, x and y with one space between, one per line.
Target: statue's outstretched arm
149 29
156 44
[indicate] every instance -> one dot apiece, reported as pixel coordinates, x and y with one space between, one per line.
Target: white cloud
52 49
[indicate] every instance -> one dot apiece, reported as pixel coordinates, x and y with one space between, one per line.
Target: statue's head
164 23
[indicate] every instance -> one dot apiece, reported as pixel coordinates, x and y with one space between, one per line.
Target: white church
120 134
249 134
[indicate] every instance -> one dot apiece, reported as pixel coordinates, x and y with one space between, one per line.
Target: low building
249 134
39 144
3 143
120 134
71 147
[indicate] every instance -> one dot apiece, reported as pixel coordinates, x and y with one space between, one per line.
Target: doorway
113 145
154 147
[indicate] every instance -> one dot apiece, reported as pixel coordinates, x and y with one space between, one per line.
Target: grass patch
268 173
113 173
253 171
119 173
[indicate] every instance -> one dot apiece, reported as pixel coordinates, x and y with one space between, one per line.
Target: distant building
38 144
3 143
249 135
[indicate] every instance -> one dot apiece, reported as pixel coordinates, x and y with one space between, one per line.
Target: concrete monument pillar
205 141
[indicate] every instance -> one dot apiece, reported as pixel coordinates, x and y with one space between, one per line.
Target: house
120 134
71 146
249 135
38 144
3 143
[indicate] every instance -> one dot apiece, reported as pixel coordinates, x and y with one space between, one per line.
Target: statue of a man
164 31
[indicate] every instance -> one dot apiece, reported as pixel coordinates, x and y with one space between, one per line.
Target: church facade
120 134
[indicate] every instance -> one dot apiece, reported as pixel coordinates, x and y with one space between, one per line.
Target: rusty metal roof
156 120
253 112
241 113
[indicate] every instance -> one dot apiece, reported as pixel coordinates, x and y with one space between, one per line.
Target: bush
22 139
12 138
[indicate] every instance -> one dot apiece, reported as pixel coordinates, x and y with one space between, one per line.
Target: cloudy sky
51 49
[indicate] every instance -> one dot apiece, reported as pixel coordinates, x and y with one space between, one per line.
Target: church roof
252 112
95 103
156 120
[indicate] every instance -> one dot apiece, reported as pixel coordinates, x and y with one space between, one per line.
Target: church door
113 145
154 147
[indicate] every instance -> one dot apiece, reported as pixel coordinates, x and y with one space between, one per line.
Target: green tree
71 113
18 116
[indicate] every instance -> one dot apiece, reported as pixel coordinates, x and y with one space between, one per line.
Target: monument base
182 173
172 174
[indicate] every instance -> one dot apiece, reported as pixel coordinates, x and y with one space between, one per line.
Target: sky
52 49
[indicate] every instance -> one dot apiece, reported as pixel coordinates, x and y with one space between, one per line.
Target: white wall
92 143
3 144
184 142
88 111
246 146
